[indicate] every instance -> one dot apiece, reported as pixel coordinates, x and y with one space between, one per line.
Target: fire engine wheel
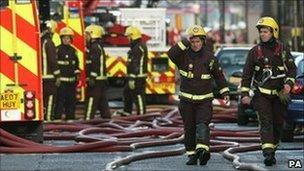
242 116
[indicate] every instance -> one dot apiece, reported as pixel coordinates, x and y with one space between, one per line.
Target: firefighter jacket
68 63
137 60
96 61
268 66
50 68
198 71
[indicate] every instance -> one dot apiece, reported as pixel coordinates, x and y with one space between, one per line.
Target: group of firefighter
269 68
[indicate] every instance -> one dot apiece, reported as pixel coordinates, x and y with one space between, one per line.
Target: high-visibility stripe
190 152
223 90
140 104
268 91
205 76
196 97
141 64
44 58
48 76
67 79
256 68
49 107
268 145
89 110
101 61
181 45
23 49
281 68
290 79
245 89
8 70
206 147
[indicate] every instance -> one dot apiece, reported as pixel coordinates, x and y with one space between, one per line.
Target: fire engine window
23 1
74 12
3 3
160 64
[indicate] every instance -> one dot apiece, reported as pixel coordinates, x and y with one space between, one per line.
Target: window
160 64
3 3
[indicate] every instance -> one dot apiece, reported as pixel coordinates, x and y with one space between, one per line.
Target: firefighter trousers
196 118
136 95
270 111
49 98
66 100
97 99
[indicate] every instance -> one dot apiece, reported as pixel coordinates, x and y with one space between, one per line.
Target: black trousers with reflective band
270 112
137 96
49 98
66 100
97 99
196 118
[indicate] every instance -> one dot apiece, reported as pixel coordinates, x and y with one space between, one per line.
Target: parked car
232 60
295 113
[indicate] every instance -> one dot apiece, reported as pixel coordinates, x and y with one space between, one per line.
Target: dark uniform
66 93
97 82
262 58
269 67
198 70
137 74
50 72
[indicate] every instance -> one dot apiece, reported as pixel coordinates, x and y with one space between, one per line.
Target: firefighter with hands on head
271 69
134 90
96 74
69 69
198 69
50 70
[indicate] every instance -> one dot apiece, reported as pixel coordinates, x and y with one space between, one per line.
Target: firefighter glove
246 100
186 43
284 97
57 82
92 82
131 84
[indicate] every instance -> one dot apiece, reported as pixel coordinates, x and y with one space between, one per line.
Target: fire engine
21 106
151 21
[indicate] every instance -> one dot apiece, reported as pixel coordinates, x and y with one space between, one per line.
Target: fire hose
160 126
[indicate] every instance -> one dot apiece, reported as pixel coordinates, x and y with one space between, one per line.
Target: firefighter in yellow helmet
96 74
271 66
69 69
134 90
198 69
50 70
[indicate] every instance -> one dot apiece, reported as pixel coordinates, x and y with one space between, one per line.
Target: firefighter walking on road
273 71
198 68
96 74
134 90
69 69
50 70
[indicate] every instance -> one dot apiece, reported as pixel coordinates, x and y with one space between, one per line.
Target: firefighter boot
203 156
192 159
269 158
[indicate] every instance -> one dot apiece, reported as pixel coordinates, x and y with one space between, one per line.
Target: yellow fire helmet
133 32
66 31
196 30
95 31
52 25
270 22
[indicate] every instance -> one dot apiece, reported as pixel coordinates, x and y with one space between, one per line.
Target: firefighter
198 69
50 70
134 90
96 74
272 68
69 69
